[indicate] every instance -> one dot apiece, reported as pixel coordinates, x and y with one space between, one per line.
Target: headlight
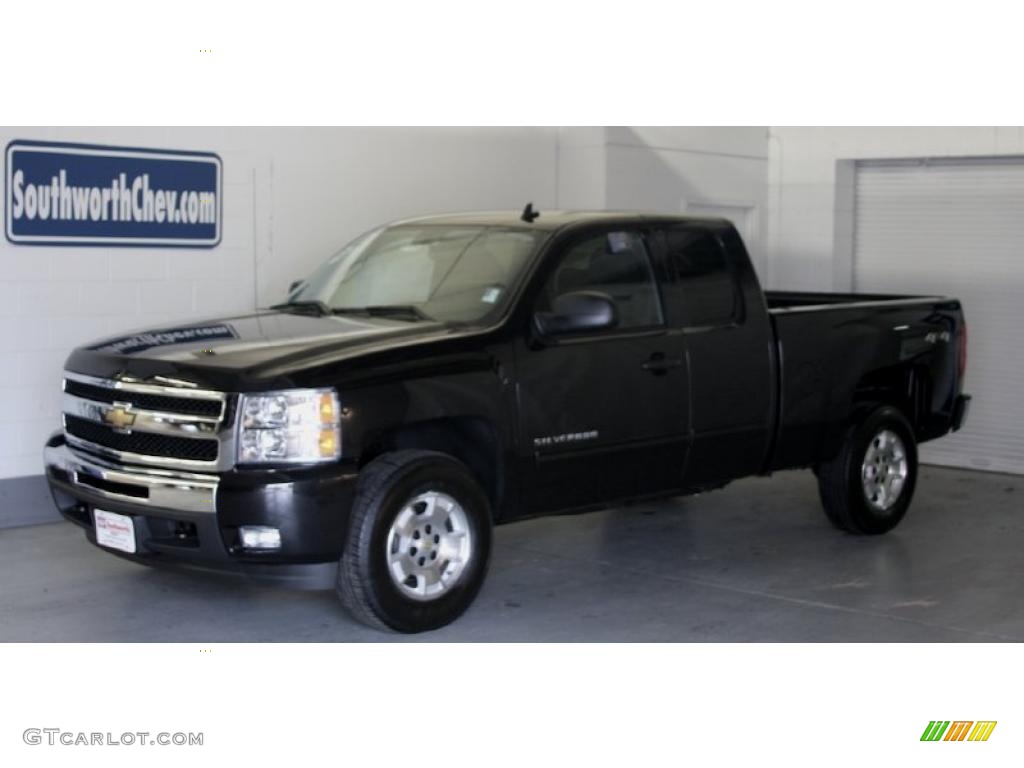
294 426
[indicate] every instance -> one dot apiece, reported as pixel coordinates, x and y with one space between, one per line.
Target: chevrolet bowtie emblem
118 417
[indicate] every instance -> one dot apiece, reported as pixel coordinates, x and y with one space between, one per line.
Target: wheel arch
473 440
906 387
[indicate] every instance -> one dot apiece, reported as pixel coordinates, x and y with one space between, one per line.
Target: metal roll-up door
956 227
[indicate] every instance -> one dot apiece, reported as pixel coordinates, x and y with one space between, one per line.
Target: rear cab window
705 291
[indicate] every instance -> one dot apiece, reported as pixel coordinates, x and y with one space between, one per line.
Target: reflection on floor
756 561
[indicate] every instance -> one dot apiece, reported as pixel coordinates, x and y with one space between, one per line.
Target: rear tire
418 543
867 488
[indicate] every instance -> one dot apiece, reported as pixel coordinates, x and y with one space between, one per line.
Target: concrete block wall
291 197
54 298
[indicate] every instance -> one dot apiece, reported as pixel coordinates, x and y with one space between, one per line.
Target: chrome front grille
145 400
169 425
142 443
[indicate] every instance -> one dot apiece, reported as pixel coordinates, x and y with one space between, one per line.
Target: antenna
529 214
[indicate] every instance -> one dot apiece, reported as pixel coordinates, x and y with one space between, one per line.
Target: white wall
582 168
802 187
706 171
329 185
291 197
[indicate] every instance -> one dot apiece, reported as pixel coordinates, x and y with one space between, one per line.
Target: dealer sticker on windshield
115 531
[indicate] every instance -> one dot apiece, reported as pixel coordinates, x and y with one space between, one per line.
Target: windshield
447 273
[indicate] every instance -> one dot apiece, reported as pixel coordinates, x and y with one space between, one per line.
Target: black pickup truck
441 375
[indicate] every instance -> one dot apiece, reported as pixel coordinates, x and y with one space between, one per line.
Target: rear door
716 305
603 415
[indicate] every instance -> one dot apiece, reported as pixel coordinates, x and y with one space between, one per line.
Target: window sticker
491 295
618 242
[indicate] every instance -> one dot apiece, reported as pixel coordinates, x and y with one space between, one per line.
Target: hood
225 353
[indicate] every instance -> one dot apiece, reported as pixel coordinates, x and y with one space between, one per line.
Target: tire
402 495
859 488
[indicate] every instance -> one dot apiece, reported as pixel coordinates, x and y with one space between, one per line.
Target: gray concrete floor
756 561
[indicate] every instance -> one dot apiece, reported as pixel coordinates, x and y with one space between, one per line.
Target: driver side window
616 264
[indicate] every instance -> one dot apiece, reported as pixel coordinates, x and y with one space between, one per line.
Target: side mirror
577 312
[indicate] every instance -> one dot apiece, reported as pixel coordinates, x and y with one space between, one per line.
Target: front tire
867 488
418 544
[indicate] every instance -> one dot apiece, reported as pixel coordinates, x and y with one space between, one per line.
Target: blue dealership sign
81 194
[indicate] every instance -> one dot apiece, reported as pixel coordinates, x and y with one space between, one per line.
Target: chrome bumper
151 488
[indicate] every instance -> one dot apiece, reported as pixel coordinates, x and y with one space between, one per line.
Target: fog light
259 537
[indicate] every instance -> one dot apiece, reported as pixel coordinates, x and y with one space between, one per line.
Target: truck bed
833 348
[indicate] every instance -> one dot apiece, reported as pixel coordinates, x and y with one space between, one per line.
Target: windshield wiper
304 308
401 311
320 309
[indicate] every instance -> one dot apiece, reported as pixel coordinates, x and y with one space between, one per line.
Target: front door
603 414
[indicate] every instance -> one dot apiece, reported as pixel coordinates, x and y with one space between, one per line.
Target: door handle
658 364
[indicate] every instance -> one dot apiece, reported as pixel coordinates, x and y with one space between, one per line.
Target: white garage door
956 227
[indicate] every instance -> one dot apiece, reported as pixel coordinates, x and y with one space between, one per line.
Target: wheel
868 486
418 543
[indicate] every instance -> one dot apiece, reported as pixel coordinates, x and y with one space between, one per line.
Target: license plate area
114 531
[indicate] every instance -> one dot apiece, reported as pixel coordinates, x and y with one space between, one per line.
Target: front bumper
191 520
